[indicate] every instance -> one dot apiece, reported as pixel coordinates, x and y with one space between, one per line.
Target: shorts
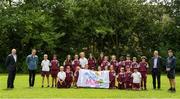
171 74
136 85
45 73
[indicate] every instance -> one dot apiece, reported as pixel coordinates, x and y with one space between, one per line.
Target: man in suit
10 63
156 64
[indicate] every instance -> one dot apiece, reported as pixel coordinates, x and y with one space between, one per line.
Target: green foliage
70 26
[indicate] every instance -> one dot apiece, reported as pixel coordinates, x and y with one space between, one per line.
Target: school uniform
100 60
121 80
91 64
61 79
115 65
112 76
128 80
54 68
69 79
143 70
45 68
67 63
134 65
75 63
83 62
121 64
76 75
104 64
136 80
128 64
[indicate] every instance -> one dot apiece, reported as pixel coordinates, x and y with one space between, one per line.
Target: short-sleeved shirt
45 65
62 75
136 77
83 62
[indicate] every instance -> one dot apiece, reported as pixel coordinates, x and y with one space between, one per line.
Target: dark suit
156 71
11 67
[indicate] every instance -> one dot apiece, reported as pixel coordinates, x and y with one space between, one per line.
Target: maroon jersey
75 63
91 63
76 75
128 63
100 60
104 64
69 79
121 64
114 63
143 66
128 77
68 63
121 77
134 65
112 76
54 65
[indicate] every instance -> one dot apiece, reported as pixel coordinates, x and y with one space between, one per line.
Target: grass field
22 90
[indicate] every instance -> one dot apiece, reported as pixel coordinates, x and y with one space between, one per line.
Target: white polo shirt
61 75
136 77
45 65
83 62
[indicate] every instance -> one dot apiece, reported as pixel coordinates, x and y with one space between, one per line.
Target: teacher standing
10 63
32 62
156 64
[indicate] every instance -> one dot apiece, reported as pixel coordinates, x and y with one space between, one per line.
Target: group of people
129 73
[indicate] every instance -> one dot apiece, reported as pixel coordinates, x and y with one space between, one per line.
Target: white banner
94 79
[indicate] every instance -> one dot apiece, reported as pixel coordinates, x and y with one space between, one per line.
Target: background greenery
70 26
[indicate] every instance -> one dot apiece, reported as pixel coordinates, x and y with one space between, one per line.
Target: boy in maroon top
134 64
100 59
68 61
91 62
143 66
112 76
128 62
75 63
54 70
121 63
121 79
114 62
105 64
69 77
76 75
128 78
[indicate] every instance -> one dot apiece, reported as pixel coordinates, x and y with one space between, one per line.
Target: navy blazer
159 63
10 63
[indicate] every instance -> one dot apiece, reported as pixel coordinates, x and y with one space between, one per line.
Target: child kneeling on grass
136 79
61 78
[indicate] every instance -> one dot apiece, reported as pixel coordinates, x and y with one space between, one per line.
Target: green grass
22 91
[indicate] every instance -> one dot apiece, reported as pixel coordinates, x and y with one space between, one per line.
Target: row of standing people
103 64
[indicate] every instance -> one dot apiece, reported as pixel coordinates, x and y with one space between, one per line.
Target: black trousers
156 75
32 74
11 78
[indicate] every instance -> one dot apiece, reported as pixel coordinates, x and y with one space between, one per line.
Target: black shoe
48 86
173 90
170 89
42 86
52 86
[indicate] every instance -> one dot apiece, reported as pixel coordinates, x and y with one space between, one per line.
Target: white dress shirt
15 57
45 65
136 77
62 75
83 62
155 62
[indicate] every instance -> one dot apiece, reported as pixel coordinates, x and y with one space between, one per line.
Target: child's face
61 68
54 57
106 58
135 70
99 68
134 59
128 58
170 53
143 60
128 69
122 70
45 57
76 57
111 67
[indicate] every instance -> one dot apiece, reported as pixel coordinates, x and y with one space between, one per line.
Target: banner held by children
93 79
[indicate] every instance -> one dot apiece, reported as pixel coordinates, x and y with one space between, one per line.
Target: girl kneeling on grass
61 78
45 69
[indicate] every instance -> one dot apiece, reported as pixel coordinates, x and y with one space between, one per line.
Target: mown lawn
23 91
